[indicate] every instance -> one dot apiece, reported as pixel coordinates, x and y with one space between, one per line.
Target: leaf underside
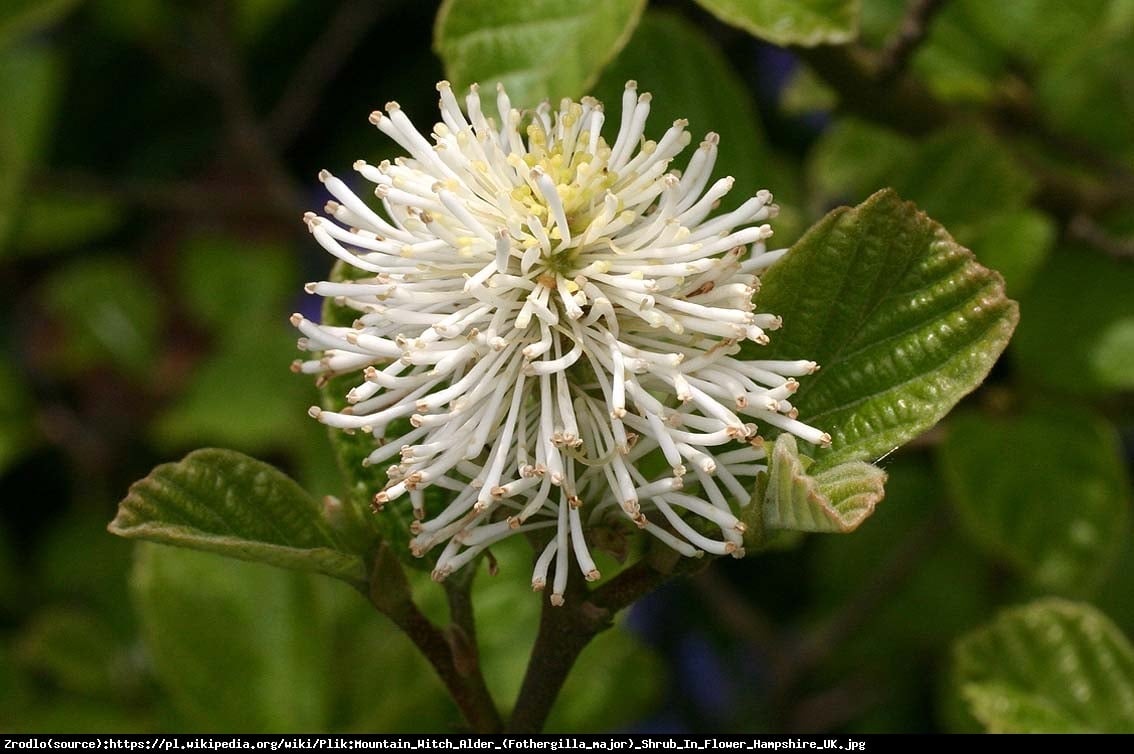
225 502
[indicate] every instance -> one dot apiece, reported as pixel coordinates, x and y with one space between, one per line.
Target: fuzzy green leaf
790 22
902 319
1048 667
835 500
1056 506
228 503
539 49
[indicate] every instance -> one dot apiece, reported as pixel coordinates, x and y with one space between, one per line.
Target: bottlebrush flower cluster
543 317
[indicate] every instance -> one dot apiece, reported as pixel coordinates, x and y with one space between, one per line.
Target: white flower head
553 314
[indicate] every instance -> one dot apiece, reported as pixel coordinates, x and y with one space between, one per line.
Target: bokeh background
155 160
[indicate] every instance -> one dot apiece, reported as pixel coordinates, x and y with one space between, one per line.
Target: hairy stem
449 656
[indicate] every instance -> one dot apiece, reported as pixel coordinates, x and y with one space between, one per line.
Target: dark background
157 159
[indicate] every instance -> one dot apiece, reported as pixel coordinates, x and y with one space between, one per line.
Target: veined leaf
787 22
228 503
902 319
1048 667
1076 313
1045 491
835 500
539 49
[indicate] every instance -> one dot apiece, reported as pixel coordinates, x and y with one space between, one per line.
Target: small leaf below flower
837 499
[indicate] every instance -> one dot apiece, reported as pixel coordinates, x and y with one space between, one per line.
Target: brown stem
463 643
1084 228
341 35
390 594
203 50
896 54
852 71
565 631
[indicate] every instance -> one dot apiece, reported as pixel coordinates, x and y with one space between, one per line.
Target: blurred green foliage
155 158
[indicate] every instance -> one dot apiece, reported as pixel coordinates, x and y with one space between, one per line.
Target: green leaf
239 646
539 49
1037 31
1078 313
1014 243
29 78
22 17
960 176
248 370
835 500
956 63
1113 355
109 312
238 290
56 220
1046 491
853 158
806 93
227 281
1089 93
963 174
676 81
1048 667
76 651
225 502
879 20
902 319
17 432
791 22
